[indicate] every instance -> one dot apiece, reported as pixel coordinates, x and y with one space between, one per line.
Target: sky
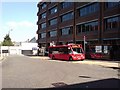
18 18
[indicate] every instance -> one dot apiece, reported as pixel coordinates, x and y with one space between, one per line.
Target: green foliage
7 41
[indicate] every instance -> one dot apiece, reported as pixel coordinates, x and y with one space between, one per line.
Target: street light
9 36
9 31
1 51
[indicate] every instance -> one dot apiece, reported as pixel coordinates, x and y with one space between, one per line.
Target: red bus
67 52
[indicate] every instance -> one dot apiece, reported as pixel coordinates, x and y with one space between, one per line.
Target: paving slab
1 58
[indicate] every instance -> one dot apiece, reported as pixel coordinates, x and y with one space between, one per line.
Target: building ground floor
109 48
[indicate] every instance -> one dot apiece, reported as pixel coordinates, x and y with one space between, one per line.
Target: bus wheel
53 57
70 58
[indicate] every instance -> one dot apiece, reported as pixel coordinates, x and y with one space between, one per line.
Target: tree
7 41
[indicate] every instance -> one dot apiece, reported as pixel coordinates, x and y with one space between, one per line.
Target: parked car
46 53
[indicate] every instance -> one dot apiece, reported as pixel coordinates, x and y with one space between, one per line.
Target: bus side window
55 51
65 50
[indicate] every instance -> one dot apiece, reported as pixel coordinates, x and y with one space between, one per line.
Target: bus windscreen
77 50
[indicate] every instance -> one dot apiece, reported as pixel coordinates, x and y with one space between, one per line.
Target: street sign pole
84 43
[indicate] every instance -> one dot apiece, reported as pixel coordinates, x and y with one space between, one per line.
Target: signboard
4 51
105 49
98 49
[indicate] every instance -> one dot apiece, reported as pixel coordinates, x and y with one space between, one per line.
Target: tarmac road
26 72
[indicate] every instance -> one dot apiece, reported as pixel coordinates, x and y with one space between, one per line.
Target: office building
72 22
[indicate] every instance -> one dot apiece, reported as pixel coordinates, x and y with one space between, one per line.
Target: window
66 4
111 23
43 25
111 4
67 16
43 5
66 31
43 35
53 33
43 15
86 27
53 10
89 9
53 22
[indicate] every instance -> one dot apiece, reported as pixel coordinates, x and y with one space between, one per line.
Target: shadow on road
105 83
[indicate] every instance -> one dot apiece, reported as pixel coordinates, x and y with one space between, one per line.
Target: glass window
67 16
43 35
77 50
53 10
89 9
43 25
66 4
43 15
95 25
53 22
66 31
111 23
43 5
86 27
78 29
111 4
53 33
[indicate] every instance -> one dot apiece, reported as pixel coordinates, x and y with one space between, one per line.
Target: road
26 72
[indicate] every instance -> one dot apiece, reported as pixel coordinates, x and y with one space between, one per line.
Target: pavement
111 64
1 58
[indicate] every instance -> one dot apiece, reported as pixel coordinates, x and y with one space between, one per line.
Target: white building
25 48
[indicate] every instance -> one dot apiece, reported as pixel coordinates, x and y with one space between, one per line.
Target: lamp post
10 31
9 36
1 51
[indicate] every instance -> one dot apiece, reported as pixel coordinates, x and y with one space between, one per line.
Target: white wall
28 46
18 49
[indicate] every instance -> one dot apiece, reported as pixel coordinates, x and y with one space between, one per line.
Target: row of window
92 26
51 11
53 33
89 9
82 11
63 5
112 23
86 27
55 9
51 22
65 17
